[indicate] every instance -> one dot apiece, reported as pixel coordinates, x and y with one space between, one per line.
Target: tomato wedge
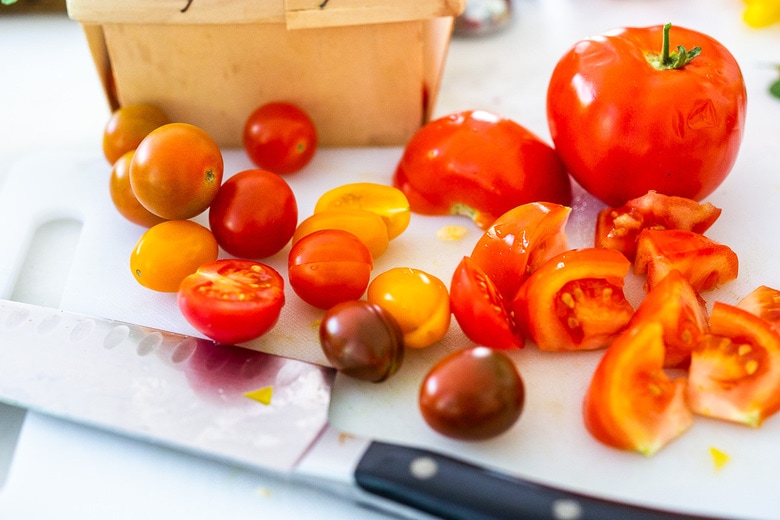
680 310
735 370
519 241
618 228
575 300
480 310
631 403
763 301
705 263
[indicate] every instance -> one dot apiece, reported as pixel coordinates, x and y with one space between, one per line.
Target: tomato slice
519 241
618 228
705 263
680 310
479 309
735 370
575 300
763 301
232 301
631 403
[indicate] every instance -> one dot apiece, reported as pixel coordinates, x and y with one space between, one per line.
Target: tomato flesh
763 301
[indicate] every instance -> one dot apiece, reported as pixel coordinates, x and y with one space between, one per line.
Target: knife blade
256 410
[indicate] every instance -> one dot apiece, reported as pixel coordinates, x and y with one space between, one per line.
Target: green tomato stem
671 60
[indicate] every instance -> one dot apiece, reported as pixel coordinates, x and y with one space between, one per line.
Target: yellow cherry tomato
366 225
761 13
388 202
167 252
418 301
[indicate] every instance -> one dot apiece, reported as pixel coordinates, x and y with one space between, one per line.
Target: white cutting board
548 444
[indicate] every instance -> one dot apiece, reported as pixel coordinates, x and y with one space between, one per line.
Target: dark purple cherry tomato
362 340
472 394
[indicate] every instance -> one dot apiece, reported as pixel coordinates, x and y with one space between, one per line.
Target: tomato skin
127 127
280 137
366 225
176 171
480 309
123 197
232 301
763 301
631 404
254 214
362 340
329 266
472 394
575 300
682 139
169 251
478 164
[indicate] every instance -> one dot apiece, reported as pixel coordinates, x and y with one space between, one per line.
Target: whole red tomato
627 116
280 137
479 164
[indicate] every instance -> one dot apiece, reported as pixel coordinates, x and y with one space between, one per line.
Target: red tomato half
626 121
232 301
280 137
575 300
735 370
481 165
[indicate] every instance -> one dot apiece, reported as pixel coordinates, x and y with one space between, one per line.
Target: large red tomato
627 116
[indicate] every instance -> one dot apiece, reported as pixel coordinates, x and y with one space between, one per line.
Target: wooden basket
367 71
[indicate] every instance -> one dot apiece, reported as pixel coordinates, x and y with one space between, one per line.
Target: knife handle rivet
149 343
82 329
423 468
48 324
16 318
566 509
116 336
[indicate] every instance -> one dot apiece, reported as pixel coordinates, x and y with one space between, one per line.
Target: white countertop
50 99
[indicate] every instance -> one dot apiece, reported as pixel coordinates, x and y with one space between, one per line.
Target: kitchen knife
253 409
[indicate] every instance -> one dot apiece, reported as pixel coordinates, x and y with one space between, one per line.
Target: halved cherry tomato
176 171
631 403
480 309
763 301
680 310
127 127
419 302
388 202
575 300
329 266
169 251
735 370
366 225
280 137
481 165
519 241
705 263
232 301
618 228
254 214
123 197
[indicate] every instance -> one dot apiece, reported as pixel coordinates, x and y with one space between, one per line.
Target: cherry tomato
123 197
232 301
280 137
763 301
176 171
254 214
127 127
366 225
329 266
386 201
631 403
480 309
419 302
705 263
479 164
575 300
169 251
735 370
678 308
362 340
472 394
519 241
618 228
681 139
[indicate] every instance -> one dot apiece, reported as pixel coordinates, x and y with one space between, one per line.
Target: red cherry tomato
280 137
232 301
627 118
254 214
472 394
479 164
329 266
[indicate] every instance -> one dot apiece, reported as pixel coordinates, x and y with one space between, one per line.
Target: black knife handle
453 489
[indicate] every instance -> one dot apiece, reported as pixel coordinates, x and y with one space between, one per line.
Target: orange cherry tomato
123 197
127 127
366 225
